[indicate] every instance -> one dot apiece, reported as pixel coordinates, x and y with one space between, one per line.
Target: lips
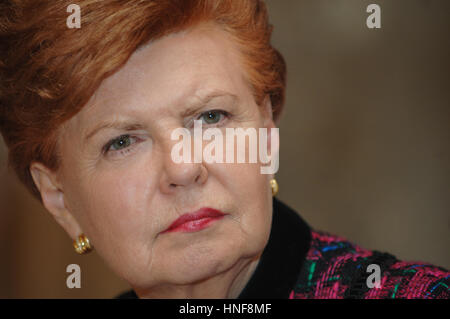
198 220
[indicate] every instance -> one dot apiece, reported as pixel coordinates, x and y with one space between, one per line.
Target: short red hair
48 72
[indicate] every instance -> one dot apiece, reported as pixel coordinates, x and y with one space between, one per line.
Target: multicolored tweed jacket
336 268
299 262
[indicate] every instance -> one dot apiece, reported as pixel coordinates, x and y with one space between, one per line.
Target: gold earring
274 186
82 244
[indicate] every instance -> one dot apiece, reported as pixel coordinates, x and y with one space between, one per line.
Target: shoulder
337 268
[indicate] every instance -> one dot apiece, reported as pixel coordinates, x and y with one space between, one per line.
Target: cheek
247 181
257 200
116 212
251 193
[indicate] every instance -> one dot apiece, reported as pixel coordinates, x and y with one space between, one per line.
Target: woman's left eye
213 117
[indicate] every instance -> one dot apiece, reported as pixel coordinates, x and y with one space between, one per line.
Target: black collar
281 261
283 257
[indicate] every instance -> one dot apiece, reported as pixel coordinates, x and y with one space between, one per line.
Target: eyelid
106 149
223 112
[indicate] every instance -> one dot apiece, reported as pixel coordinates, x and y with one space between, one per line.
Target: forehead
168 73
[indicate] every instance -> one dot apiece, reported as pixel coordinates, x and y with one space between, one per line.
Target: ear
273 138
268 113
53 198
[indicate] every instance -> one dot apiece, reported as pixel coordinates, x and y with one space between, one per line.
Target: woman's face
124 195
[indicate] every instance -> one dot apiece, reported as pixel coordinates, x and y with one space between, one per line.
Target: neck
225 285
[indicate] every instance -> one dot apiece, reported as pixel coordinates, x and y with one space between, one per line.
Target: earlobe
53 198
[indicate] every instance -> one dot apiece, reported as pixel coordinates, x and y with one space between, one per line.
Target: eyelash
222 112
123 151
106 149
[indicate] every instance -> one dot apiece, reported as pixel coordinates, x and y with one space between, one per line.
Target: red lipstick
198 220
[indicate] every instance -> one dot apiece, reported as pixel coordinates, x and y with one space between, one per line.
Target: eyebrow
207 99
129 125
125 125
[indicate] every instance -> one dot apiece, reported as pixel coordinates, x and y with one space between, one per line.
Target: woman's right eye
120 143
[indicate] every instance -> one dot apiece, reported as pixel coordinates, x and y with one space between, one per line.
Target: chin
195 267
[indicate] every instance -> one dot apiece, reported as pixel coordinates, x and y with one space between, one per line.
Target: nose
176 176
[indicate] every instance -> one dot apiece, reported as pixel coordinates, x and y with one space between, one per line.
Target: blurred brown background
364 144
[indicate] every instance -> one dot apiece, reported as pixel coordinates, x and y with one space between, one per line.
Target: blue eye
213 117
120 143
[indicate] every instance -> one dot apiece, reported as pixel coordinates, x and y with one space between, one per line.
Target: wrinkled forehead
172 72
